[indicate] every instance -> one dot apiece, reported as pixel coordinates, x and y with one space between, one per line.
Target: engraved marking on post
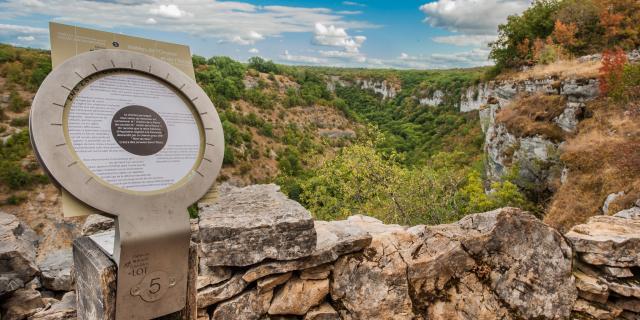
113 63
60 144
94 66
66 88
79 75
198 172
206 159
56 124
72 163
57 104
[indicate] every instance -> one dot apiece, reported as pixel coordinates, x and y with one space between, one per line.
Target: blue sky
378 34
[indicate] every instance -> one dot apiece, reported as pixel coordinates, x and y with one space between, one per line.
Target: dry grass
602 158
533 115
561 69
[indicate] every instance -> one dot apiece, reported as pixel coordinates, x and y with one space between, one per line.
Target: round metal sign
136 138
114 124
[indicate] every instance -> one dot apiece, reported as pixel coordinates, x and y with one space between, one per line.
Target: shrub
13 176
20 122
264 66
16 103
533 115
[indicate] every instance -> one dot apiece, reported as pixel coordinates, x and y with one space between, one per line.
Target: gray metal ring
54 150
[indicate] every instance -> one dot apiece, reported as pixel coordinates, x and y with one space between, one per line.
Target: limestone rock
591 287
97 223
17 253
316 273
322 312
596 311
618 272
629 304
469 299
202 315
61 310
631 213
21 304
248 225
607 240
610 198
335 238
56 268
376 277
525 263
215 293
250 305
297 296
212 275
268 283
625 287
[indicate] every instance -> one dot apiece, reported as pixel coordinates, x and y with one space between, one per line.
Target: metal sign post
137 139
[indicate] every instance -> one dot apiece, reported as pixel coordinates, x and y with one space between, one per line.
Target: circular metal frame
55 151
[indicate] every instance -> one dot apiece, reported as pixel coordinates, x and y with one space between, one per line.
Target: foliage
12 152
554 29
617 79
16 103
264 66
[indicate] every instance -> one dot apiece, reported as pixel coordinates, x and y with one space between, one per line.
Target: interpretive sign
137 139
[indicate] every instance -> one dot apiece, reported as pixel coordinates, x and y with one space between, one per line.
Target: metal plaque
137 139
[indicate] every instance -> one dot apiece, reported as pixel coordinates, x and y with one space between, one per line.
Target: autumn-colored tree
564 34
613 62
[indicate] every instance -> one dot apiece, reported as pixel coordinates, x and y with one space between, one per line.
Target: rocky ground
261 256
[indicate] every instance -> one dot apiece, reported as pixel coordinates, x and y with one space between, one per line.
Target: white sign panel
133 132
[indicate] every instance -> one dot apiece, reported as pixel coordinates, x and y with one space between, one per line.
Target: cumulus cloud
8 29
169 11
471 16
301 58
475 57
231 21
477 40
26 38
254 50
337 37
353 3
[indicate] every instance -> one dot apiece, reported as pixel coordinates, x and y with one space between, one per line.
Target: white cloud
337 37
472 58
26 38
169 11
302 59
6 29
353 3
249 38
349 12
478 40
231 21
344 55
471 16
254 50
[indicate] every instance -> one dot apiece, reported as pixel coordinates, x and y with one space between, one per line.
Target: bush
20 122
13 176
264 66
16 103
618 79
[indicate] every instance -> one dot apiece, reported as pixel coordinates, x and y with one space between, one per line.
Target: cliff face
261 256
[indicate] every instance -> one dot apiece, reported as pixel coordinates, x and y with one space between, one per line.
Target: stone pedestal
96 283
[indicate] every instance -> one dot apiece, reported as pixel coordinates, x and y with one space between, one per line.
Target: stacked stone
263 257
607 267
29 287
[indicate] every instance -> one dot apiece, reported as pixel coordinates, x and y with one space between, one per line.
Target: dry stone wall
261 256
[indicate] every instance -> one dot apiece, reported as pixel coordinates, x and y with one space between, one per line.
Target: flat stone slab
335 238
254 223
17 253
606 240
